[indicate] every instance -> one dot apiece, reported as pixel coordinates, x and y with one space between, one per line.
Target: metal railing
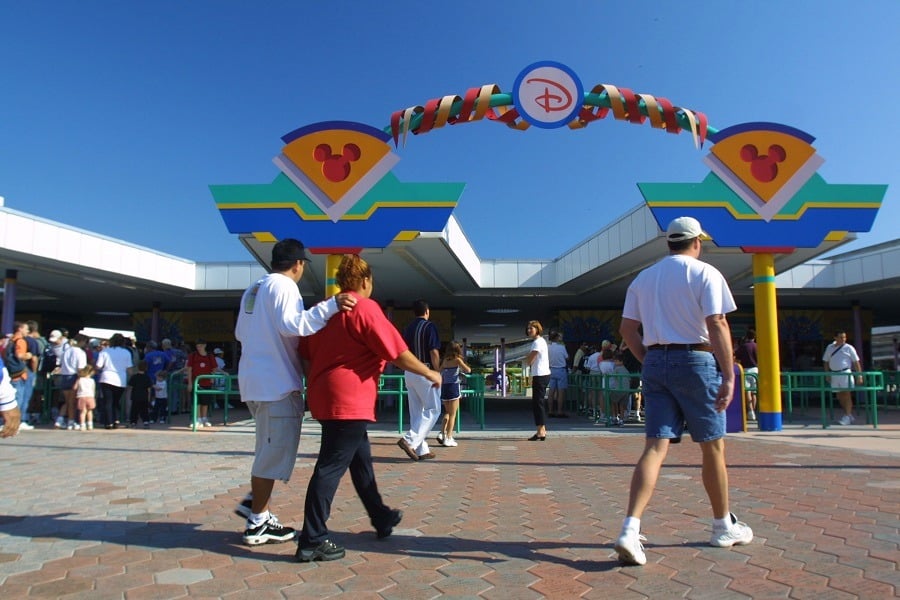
228 387
587 389
819 382
590 389
472 395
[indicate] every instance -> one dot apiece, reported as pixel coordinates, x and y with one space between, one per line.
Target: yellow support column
769 390
332 262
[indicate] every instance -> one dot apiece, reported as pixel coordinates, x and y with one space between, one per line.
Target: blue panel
726 231
377 232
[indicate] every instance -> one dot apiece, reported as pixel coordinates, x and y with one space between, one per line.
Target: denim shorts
680 386
559 378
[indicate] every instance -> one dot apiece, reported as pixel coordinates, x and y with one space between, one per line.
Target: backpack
48 361
585 365
14 366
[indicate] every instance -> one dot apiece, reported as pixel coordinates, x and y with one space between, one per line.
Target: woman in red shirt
343 363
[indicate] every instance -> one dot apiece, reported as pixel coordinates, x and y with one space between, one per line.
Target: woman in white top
539 361
113 364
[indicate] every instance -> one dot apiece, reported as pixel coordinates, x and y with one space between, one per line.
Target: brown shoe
404 445
428 456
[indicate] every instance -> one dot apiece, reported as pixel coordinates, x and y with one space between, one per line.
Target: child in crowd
451 364
160 412
139 386
86 397
619 380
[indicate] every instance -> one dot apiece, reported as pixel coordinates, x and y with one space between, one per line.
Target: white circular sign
548 94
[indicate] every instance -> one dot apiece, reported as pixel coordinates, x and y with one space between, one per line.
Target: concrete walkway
149 514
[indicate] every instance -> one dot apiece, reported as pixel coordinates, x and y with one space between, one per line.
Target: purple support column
154 322
9 300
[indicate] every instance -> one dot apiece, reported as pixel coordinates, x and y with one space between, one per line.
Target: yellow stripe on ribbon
484 100
616 101
443 112
407 118
653 111
692 119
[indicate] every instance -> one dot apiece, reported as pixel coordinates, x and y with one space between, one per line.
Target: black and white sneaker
327 550
245 508
270 532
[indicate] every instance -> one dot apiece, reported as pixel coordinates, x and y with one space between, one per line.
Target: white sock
722 524
631 523
257 519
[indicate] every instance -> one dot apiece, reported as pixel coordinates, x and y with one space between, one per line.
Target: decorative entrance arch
336 191
546 95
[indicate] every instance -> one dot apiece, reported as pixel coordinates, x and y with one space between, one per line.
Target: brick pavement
148 514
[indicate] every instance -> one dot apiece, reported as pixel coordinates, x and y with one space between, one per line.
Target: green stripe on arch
763 279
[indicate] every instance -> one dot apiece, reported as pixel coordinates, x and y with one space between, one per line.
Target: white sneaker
23 426
630 548
450 442
738 534
89 425
206 423
846 420
75 427
60 423
440 438
71 425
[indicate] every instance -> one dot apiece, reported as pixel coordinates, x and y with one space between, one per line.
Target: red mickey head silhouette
764 167
336 167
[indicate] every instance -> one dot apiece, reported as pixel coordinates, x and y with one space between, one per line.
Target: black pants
140 407
344 444
160 409
112 395
538 404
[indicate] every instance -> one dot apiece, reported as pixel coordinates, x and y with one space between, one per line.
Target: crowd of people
682 350
70 378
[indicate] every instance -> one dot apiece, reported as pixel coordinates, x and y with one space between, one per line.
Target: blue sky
116 116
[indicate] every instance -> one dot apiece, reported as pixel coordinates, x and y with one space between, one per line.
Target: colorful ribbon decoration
487 101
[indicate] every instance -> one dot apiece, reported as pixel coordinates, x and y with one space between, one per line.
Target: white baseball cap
55 335
684 228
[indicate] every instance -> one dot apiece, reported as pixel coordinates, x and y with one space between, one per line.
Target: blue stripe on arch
758 126
330 125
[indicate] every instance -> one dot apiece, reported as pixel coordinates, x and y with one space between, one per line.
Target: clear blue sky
116 116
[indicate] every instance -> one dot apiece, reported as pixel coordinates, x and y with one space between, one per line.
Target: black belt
689 347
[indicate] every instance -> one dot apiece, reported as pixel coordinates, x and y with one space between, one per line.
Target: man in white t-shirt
270 322
681 303
841 357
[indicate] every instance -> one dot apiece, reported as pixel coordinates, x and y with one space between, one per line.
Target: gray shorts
842 382
278 426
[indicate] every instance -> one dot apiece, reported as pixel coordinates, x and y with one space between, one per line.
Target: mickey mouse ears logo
763 163
336 162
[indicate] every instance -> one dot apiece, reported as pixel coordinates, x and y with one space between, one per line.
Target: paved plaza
140 513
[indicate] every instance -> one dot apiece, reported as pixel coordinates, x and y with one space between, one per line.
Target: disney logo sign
548 94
